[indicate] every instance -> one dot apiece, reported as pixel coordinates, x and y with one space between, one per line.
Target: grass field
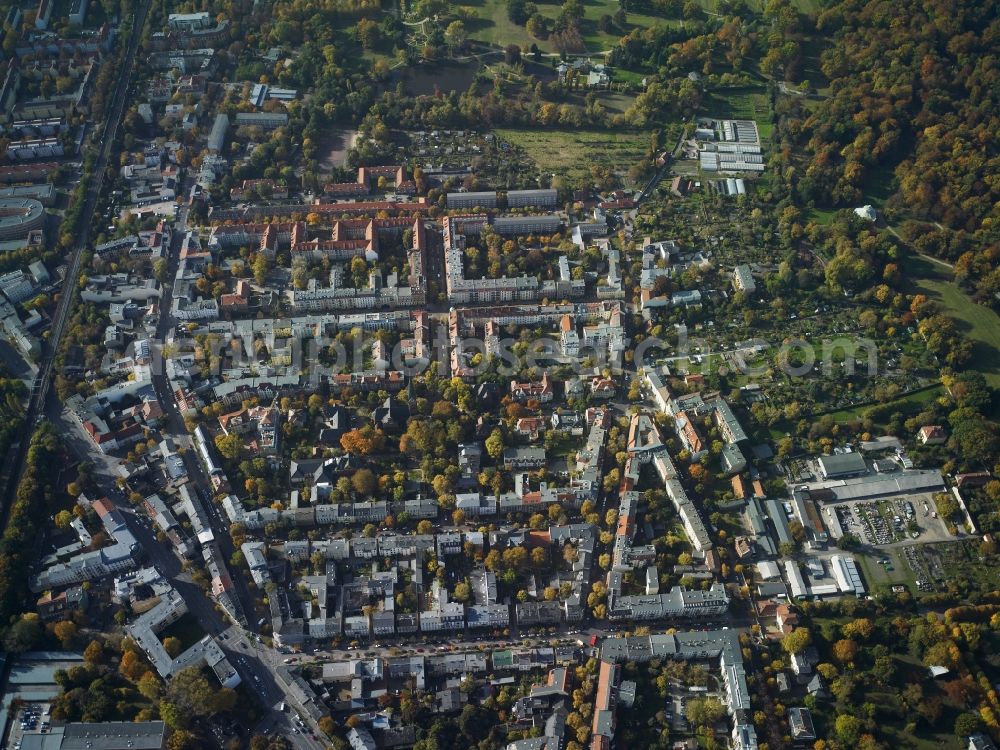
979 324
571 153
907 404
879 185
493 25
821 216
879 577
744 103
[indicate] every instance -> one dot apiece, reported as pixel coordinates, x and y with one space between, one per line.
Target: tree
967 724
150 687
229 446
131 665
848 729
363 482
368 33
66 632
261 267
705 712
224 700
455 35
861 628
796 641
462 592
173 715
328 726
191 692
24 635
94 653
363 441
516 12
160 270
425 527
845 651
494 444
536 25
183 739
172 646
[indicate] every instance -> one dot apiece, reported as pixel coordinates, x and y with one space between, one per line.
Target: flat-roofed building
545 198
482 199
842 465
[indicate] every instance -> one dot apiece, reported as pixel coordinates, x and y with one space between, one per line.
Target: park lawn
821 216
494 27
912 402
979 324
739 103
628 76
571 152
879 184
615 102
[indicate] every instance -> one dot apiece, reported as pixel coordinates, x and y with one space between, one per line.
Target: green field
910 403
570 153
879 577
742 103
494 27
879 185
979 324
821 216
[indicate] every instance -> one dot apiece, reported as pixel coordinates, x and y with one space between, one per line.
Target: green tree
848 729
24 635
463 592
796 641
705 712
150 687
455 35
191 693
261 267
230 446
494 445
364 482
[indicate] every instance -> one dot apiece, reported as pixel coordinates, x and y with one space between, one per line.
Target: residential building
743 279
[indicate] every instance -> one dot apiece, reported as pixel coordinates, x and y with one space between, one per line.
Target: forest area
913 94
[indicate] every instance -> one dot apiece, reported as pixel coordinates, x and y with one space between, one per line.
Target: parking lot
31 717
893 521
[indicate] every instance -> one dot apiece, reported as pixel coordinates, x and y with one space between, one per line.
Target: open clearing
911 403
570 153
494 27
978 323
